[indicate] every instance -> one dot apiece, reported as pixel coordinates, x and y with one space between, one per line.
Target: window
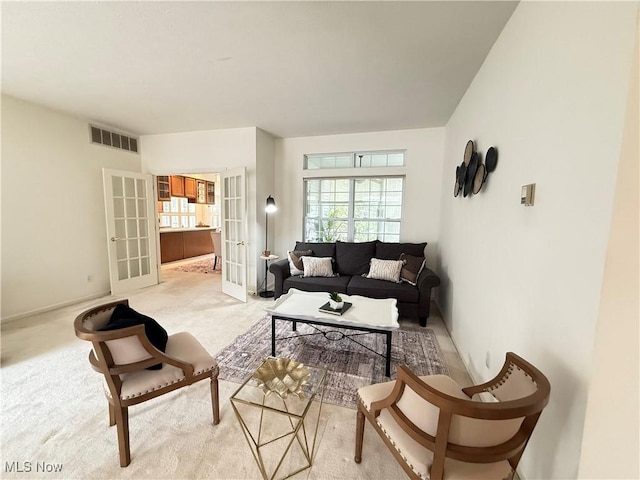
178 213
353 209
354 160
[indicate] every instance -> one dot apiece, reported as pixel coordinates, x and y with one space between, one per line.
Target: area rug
201 266
349 365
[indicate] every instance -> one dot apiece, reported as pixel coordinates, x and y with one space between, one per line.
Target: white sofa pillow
388 270
317 266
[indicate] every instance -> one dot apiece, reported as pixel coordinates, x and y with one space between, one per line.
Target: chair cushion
124 316
369 287
182 346
354 258
420 458
463 431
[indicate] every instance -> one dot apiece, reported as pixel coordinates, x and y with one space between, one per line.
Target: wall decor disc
468 152
478 180
456 188
462 175
491 159
471 173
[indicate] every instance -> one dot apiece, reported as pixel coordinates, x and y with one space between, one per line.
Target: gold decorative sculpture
282 376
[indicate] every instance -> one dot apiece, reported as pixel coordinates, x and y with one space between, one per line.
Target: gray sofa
351 261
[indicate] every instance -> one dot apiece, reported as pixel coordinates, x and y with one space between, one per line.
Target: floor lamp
266 254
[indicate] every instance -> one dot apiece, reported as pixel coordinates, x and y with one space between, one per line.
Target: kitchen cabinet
211 193
184 244
171 246
177 186
201 188
164 192
190 188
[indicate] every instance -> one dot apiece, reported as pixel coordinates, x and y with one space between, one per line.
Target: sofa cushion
318 249
411 268
368 287
316 284
392 251
354 258
388 270
295 260
318 266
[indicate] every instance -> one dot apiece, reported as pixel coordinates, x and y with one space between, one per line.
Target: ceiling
290 68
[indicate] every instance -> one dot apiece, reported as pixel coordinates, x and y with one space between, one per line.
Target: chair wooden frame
102 362
529 407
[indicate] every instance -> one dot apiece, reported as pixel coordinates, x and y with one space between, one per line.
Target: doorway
188 211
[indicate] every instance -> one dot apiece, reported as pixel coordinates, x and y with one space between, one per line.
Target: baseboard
19 316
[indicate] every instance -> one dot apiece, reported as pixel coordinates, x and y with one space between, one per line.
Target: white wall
610 441
423 172
210 151
551 96
265 186
53 220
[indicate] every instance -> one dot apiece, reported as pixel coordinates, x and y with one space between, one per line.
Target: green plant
335 296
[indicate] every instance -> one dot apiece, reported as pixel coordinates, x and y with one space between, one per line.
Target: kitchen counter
179 243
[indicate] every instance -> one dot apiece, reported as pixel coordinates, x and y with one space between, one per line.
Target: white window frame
351 219
353 160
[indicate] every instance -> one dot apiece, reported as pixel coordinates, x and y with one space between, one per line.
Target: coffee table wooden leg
388 359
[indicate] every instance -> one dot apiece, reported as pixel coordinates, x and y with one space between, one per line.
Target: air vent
112 139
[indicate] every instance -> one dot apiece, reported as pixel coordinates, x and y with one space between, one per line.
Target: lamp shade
271 205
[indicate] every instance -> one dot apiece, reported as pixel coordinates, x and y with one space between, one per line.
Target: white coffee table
370 315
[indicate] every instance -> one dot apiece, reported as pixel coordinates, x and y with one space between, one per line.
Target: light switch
528 194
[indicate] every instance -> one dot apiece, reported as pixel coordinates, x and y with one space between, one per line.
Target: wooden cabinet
201 194
177 186
178 245
164 192
190 188
171 247
197 242
211 193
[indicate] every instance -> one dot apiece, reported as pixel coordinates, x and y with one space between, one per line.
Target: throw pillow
388 270
411 268
124 316
317 266
295 260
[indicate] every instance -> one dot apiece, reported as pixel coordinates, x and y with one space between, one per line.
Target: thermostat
528 194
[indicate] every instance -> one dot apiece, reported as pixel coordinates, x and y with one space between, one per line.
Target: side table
267 293
276 408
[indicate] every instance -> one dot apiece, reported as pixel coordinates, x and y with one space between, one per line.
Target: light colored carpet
53 410
349 365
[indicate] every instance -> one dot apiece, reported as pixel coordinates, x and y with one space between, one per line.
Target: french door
131 236
234 233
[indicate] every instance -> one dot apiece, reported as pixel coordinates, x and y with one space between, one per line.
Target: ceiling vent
113 139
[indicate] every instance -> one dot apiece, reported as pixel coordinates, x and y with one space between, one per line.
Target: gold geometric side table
277 413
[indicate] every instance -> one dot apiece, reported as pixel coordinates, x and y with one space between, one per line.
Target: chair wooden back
121 351
467 429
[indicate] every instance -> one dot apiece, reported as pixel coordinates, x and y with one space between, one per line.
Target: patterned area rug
349 365
201 266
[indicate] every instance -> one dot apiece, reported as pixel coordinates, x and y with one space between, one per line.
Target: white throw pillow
317 266
388 270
